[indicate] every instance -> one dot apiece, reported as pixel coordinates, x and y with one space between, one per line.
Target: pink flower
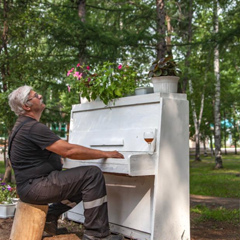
88 68
120 66
76 74
78 65
69 88
79 76
69 72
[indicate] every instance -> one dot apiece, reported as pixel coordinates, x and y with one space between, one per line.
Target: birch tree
197 120
217 115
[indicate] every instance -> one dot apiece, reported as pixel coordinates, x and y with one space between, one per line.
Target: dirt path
199 231
209 230
213 202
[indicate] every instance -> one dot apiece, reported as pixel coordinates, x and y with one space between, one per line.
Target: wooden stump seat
29 221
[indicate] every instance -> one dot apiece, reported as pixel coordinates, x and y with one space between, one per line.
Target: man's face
36 101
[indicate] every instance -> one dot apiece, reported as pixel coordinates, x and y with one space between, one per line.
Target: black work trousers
65 189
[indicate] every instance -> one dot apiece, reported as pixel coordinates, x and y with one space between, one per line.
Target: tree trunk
197 121
183 87
235 126
4 65
235 146
225 134
197 151
82 16
8 172
161 29
204 146
211 145
5 72
217 115
82 10
168 38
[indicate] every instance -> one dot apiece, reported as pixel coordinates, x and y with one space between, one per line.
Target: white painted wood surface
148 194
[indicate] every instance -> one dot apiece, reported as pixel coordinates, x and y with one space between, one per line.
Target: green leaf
118 92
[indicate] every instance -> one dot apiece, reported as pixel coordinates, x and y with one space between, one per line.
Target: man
35 153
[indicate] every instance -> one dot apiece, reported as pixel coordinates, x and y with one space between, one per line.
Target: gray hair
18 98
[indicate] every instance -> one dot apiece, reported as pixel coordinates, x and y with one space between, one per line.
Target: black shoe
51 226
109 237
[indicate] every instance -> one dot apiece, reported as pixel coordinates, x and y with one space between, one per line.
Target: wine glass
149 137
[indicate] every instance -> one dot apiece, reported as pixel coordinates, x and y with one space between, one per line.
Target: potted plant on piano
164 75
143 84
106 82
8 199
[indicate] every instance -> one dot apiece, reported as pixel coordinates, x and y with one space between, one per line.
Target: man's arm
74 151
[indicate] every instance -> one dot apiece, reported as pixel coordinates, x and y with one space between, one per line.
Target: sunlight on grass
205 180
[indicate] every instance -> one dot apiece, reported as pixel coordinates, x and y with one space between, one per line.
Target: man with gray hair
35 154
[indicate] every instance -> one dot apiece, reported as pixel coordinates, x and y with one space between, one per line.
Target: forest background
42 39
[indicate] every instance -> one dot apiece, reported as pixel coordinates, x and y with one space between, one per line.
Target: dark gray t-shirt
29 157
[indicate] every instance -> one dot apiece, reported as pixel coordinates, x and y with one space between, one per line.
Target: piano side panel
171 201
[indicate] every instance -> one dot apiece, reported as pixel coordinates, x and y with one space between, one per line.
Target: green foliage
216 215
106 81
69 98
44 38
164 67
7 192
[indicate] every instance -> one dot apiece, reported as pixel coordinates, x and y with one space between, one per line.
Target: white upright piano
148 190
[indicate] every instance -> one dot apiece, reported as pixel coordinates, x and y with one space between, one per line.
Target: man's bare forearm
74 151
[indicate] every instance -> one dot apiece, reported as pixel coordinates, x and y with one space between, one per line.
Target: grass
216 215
207 181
